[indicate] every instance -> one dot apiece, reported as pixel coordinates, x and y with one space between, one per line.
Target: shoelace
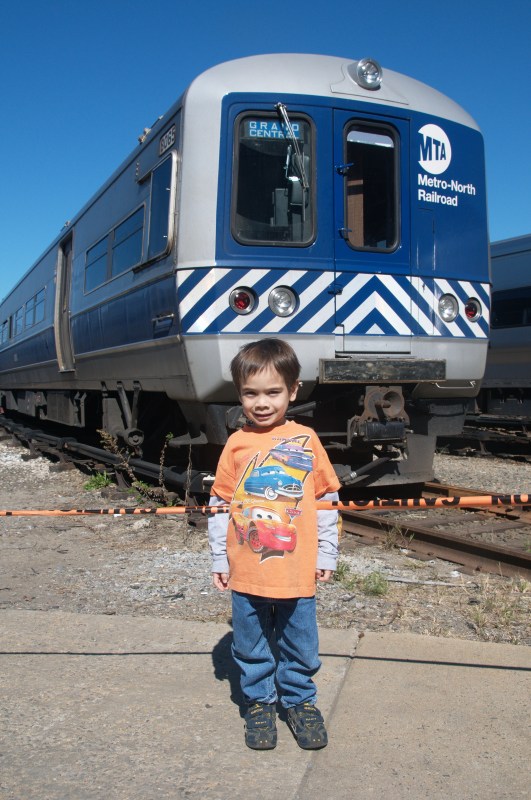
310 714
254 714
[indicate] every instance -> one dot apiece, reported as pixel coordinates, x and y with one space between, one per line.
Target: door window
370 170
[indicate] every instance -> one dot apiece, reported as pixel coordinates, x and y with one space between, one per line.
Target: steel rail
475 555
471 554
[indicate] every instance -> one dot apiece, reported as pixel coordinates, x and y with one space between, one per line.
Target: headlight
473 309
369 73
283 301
448 307
242 300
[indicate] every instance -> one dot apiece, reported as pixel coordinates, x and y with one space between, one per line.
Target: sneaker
307 725
260 726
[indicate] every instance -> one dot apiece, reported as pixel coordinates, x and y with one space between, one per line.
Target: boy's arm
217 539
328 538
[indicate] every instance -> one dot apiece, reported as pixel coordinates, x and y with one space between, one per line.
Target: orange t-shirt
272 477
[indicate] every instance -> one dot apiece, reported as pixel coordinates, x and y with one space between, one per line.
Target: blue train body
308 197
506 387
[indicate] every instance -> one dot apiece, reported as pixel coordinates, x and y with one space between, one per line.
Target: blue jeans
294 624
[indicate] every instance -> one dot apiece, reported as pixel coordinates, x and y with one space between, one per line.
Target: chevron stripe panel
366 304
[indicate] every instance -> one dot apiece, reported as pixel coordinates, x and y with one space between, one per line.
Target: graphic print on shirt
266 498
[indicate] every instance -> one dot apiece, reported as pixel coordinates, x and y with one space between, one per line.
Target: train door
63 336
372 285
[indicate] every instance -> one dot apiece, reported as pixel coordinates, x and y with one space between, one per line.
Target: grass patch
98 481
374 584
496 610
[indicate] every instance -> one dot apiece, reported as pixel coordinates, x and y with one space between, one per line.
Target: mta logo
432 149
435 149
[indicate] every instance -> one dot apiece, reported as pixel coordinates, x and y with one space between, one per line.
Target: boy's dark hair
256 356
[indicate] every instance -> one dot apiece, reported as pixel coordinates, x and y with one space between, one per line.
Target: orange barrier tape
323 505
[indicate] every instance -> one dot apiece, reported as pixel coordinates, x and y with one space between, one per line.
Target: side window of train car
127 243
272 196
117 252
4 332
122 248
35 309
160 215
371 207
511 308
18 321
96 265
24 317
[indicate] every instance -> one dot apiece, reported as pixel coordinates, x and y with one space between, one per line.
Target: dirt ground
160 566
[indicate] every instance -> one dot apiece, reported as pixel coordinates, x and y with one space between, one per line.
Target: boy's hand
323 574
220 580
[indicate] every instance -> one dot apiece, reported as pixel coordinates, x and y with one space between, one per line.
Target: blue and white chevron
367 304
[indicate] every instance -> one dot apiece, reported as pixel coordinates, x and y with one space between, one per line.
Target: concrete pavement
96 707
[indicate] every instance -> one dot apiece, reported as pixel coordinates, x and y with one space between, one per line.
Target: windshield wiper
283 111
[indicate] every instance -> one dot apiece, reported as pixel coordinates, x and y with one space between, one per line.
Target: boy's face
265 397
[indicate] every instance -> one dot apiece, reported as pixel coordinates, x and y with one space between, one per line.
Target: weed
187 497
437 628
372 584
343 576
162 459
342 570
479 621
394 539
375 584
495 609
156 494
143 490
98 481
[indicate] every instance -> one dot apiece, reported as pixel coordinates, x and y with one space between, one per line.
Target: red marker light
242 300
473 310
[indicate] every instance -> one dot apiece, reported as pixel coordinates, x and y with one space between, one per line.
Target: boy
273 545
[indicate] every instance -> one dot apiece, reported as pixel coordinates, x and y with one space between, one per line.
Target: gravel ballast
160 566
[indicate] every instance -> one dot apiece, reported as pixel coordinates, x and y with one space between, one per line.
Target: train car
506 388
323 200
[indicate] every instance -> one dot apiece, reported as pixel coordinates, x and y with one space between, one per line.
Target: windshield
272 194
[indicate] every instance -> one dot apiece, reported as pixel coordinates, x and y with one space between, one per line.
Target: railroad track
487 436
67 451
495 540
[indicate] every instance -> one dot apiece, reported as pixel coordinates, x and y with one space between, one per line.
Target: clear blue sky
80 79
